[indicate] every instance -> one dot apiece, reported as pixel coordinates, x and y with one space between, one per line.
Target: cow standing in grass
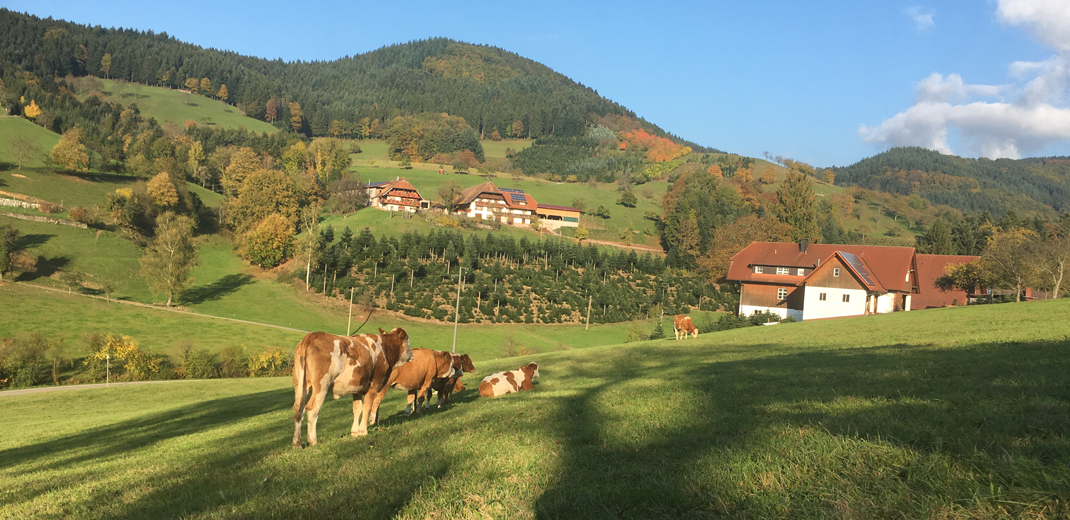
358 365
416 378
448 385
683 326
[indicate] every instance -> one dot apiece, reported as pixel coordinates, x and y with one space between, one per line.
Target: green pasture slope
169 106
946 413
12 127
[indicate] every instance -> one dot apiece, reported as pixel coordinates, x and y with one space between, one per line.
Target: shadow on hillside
998 410
226 285
231 457
102 177
46 267
29 240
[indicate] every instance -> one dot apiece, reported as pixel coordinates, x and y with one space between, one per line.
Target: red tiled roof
558 208
889 265
857 266
472 193
400 184
931 267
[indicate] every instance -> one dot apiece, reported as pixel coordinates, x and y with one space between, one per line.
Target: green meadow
12 127
947 413
175 107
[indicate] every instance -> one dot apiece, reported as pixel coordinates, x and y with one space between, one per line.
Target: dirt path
147 306
41 389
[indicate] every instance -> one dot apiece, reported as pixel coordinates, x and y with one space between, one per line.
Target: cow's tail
300 389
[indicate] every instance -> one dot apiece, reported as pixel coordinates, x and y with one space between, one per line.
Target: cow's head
404 344
532 370
466 364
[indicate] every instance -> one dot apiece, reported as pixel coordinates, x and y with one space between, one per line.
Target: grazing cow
448 385
359 365
416 378
682 326
508 382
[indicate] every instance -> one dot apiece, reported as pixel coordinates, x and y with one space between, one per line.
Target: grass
947 413
169 106
12 127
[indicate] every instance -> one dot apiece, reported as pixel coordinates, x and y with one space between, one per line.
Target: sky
827 83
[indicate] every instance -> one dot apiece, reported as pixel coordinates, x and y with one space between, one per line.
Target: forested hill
971 185
489 87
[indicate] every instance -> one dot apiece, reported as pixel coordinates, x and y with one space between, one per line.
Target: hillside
489 87
949 413
1029 186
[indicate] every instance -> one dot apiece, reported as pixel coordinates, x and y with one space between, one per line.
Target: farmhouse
553 217
398 195
815 281
489 202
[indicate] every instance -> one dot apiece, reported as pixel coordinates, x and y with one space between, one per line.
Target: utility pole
107 381
349 324
590 298
457 310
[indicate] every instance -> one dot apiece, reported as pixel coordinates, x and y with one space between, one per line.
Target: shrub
22 361
271 361
85 215
47 207
128 360
198 364
269 242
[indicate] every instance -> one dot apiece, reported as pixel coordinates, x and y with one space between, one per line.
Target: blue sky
828 84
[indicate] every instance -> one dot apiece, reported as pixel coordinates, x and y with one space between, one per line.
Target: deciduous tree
732 238
297 117
70 153
162 191
222 94
31 111
271 110
449 192
206 86
243 162
269 242
1009 259
768 175
1054 258
171 256
193 85
105 64
24 149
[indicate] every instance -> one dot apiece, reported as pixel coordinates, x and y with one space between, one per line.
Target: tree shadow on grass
229 457
900 431
32 240
45 268
226 285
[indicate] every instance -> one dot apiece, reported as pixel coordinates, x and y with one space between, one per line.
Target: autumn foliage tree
31 111
172 255
69 153
297 117
222 94
269 242
1009 259
732 238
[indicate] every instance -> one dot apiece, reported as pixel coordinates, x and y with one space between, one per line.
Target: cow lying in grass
683 326
359 365
508 382
446 386
416 378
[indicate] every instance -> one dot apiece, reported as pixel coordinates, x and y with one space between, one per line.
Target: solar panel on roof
517 197
510 190
859 267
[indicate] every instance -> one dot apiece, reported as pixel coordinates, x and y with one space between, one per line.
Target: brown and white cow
508 382
358 365
683 326
448 385
416 377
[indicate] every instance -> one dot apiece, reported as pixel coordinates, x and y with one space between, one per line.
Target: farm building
553 217
818 281
488 202
398 195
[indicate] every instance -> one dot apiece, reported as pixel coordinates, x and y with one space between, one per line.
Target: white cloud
1024 116
922 19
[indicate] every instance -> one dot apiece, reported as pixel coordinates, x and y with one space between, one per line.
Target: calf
416 378
683 326
359 365
446 386
508 382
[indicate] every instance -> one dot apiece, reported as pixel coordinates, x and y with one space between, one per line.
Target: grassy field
28 310
947 413
12 127
175 107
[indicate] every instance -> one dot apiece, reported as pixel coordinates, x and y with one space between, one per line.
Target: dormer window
802 271
835 271
758 269
782 270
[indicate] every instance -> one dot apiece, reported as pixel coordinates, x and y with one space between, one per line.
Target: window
802 271
757 269
847 298
781 293
836 271
821 296
782 270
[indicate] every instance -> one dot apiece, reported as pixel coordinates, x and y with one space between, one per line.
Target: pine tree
795 207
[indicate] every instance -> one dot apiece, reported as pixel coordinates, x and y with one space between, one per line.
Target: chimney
803 244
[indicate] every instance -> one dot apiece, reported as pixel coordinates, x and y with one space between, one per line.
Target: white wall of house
833 305
886 303
747 310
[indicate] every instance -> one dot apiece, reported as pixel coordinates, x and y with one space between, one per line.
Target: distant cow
359 365
682 326
448 385
416 378
508 382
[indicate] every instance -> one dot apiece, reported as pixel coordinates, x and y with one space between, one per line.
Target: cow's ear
381 331
401 333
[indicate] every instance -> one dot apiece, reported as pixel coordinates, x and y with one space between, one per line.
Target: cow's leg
378 396
420 394
312 409
360 428
300 398
358 413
